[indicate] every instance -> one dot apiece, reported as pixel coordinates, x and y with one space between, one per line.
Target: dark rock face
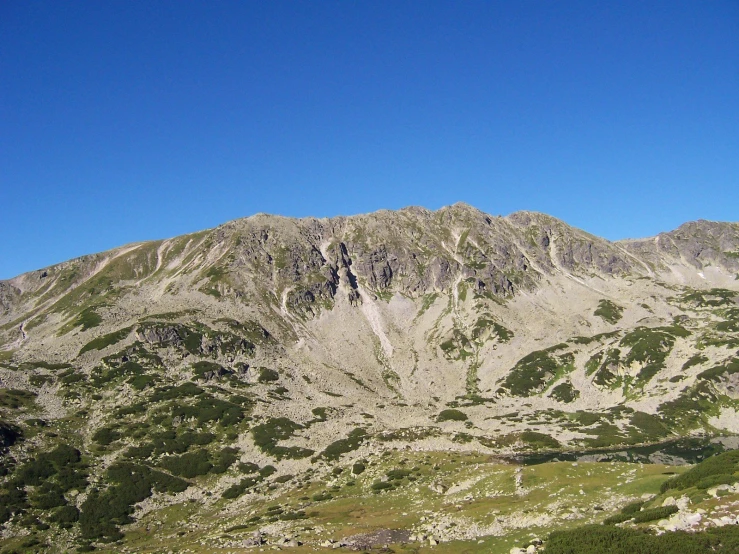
9 434
159 334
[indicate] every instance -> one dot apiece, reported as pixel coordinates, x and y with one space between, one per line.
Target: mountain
206 376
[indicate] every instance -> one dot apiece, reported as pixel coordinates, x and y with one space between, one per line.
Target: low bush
724 464
334 450
268 434
103 511
451 415
106 340
598 539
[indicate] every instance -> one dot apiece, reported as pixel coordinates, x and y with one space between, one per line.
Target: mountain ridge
300 344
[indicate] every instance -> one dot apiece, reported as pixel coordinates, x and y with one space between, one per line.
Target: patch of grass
594 338
88 318
208 409
268 434
609 311
723 464
267 375
709 298
103 511
650 348
534 372
205 370
718 372
564 392
538 440
334 450
16 399
597 539
694 360
106 340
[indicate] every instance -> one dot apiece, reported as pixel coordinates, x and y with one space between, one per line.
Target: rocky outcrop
698 244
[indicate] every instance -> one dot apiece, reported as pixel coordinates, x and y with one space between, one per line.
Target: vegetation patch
267 375
103 511
534 372
649 347
88 318
451 415
598 539
334 450
16 399
609 311
106 340
694 360
724 465
711 298
564 392
268 434
206 371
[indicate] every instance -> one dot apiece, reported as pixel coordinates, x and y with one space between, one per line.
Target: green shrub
16 398
106 340
208 408
141 382
268 434
267 375
726 463
609 311
398 474
381 485
451 414
65 514
205 370
654 514
564 392
103 511
334 450
535 371
88 319
189 465
358 468
539 440
248 467
224 460
598 539
716 480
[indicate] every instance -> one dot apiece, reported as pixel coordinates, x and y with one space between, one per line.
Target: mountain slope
295 344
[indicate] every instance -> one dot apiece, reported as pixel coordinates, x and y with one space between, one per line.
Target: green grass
726 464
268 434
565 392
609 311
342 446
536 371
16 399
597 539
106 340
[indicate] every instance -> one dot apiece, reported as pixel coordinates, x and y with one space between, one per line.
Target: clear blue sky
123 121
